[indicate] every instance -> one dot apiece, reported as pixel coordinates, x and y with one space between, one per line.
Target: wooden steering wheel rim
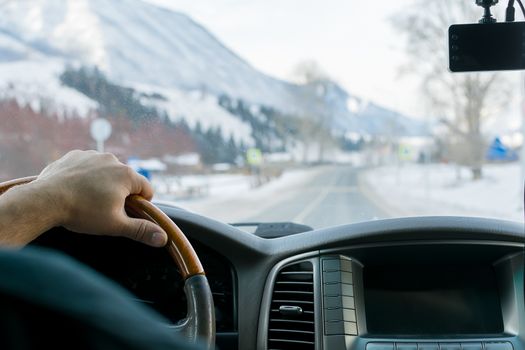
178 245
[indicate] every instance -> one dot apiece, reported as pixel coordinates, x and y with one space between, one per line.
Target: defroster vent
291 325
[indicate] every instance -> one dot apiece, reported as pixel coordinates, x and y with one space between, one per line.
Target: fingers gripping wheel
199 324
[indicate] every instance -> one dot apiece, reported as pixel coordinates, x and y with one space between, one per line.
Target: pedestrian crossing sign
254 156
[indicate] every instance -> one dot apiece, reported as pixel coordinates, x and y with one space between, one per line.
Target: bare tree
463 101
316 123
307 72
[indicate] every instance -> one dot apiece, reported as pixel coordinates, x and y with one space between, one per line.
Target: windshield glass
316 112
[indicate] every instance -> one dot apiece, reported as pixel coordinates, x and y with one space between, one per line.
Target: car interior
429 282
407 283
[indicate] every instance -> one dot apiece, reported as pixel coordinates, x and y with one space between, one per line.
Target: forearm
25 212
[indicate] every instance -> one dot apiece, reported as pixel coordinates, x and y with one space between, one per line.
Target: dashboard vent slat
294 292
294 286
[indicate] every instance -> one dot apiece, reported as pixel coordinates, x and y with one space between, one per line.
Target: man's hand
85 192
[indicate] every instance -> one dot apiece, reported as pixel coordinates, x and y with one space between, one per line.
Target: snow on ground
232 198
413 190
196 187
199 107
37 83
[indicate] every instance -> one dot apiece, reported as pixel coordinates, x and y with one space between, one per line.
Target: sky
352 40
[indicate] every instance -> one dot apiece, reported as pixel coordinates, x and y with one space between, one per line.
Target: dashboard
431 295
434 283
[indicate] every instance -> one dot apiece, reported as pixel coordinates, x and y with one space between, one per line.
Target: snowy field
440 189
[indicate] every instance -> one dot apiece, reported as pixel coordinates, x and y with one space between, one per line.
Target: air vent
291 325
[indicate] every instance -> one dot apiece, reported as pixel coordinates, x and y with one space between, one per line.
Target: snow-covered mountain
133 42
147 47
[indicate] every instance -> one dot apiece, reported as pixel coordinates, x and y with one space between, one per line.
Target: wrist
26 211
47 202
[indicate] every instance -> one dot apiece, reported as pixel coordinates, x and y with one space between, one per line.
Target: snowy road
330 198
334 195
319 197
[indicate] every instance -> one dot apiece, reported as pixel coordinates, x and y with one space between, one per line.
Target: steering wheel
199 323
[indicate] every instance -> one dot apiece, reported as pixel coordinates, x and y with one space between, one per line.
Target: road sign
254 156
405 152
100 132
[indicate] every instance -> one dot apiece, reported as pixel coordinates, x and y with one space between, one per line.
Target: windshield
316 112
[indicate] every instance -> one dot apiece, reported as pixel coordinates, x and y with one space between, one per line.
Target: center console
416 296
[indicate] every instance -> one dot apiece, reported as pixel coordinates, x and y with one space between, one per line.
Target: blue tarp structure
497 151
146 166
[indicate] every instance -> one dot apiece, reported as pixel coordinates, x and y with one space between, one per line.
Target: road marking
321 197
335 189
343 189
313 204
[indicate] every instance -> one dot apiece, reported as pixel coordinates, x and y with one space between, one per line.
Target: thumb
144 231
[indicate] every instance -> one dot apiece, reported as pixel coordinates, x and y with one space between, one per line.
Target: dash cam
486 47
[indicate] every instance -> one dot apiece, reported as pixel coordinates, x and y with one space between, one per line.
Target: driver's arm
84 191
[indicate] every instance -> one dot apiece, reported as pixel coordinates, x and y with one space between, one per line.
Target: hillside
158 52
123 38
